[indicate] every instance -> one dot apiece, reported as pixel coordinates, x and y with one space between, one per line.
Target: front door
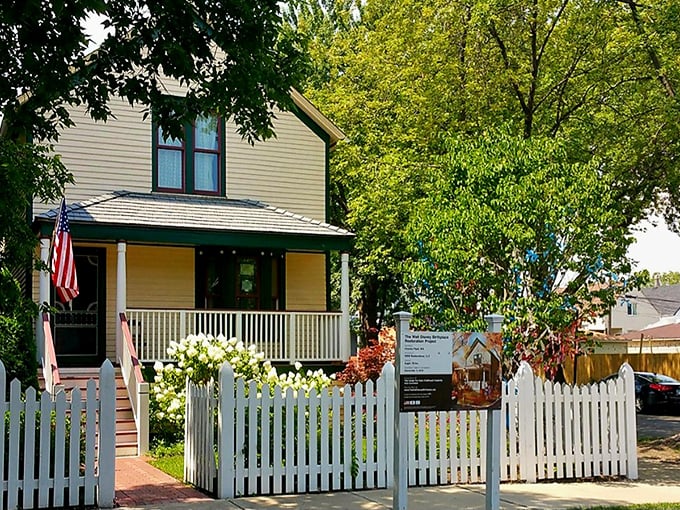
234 280
247 283
79 326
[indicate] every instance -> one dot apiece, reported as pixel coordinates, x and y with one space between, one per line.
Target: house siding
105 156
160 277
288 171
305 282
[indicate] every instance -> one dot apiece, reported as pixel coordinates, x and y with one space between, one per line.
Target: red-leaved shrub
369 361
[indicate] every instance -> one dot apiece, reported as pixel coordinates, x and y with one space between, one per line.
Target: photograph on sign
425 371
477 376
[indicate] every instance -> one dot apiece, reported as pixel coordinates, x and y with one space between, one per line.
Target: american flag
63 264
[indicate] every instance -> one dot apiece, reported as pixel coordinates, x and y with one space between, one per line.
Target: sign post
400 485
444 371
493 439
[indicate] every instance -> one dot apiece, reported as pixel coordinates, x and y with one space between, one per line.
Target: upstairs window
194 165
206 155
170 163
631 308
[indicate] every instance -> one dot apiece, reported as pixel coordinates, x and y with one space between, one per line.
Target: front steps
126 432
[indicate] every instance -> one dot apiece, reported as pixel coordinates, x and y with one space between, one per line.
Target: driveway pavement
652 426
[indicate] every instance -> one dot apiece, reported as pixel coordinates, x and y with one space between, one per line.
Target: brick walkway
140 484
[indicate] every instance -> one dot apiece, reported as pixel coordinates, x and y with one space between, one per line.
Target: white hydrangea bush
199 357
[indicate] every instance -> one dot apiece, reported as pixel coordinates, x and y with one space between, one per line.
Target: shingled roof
659 332
192 219
665 298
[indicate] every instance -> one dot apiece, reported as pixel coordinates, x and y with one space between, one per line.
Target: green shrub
199 358
17 340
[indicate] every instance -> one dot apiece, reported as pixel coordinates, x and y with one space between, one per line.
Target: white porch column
121 295
344 306
43 294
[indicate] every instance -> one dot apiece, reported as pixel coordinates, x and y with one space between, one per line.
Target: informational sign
425 371
443 371
447 371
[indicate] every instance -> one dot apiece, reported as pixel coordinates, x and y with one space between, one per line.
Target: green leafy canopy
510 225
235 58
401 77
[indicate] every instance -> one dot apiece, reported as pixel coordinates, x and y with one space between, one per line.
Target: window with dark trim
194 165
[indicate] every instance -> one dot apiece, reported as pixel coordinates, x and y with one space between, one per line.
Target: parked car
654 392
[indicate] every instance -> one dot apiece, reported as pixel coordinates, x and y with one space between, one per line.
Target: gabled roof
195 220
665 298
317 117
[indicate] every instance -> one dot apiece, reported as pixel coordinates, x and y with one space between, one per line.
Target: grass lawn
169 459
172 465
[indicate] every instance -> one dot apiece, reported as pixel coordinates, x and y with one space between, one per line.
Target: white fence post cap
494 322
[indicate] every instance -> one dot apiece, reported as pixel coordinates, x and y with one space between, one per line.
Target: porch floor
139 484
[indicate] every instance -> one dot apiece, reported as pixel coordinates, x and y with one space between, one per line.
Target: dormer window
194 165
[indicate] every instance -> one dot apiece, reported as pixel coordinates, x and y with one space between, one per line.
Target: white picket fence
257 442
58 450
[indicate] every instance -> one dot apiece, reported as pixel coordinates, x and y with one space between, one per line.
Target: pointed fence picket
273 441
58 450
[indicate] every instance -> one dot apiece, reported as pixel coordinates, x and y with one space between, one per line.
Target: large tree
509 225
402 76
235 57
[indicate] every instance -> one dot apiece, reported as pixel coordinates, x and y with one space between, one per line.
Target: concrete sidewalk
513 496
659 484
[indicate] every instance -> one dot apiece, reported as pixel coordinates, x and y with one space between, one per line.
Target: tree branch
506 62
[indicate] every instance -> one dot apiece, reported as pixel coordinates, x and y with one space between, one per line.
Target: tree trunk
368 309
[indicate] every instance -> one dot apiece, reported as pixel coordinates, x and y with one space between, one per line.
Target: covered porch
176 265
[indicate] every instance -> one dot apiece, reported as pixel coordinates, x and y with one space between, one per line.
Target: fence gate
274 441
199 443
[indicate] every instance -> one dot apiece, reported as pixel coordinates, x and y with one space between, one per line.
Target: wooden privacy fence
58 450
241 441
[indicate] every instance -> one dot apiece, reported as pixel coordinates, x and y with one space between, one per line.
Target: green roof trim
171 236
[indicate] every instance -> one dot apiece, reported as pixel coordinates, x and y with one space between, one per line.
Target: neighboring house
208 235
636 310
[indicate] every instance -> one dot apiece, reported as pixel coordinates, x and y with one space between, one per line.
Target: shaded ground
659 449
139 484
652 426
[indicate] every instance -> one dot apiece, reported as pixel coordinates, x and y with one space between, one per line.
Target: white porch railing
282 336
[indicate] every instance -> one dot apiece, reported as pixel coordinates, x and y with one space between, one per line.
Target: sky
657 249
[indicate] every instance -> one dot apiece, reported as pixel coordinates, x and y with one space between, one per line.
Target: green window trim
188 151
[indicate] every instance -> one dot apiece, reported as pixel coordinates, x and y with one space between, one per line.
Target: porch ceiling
195 220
